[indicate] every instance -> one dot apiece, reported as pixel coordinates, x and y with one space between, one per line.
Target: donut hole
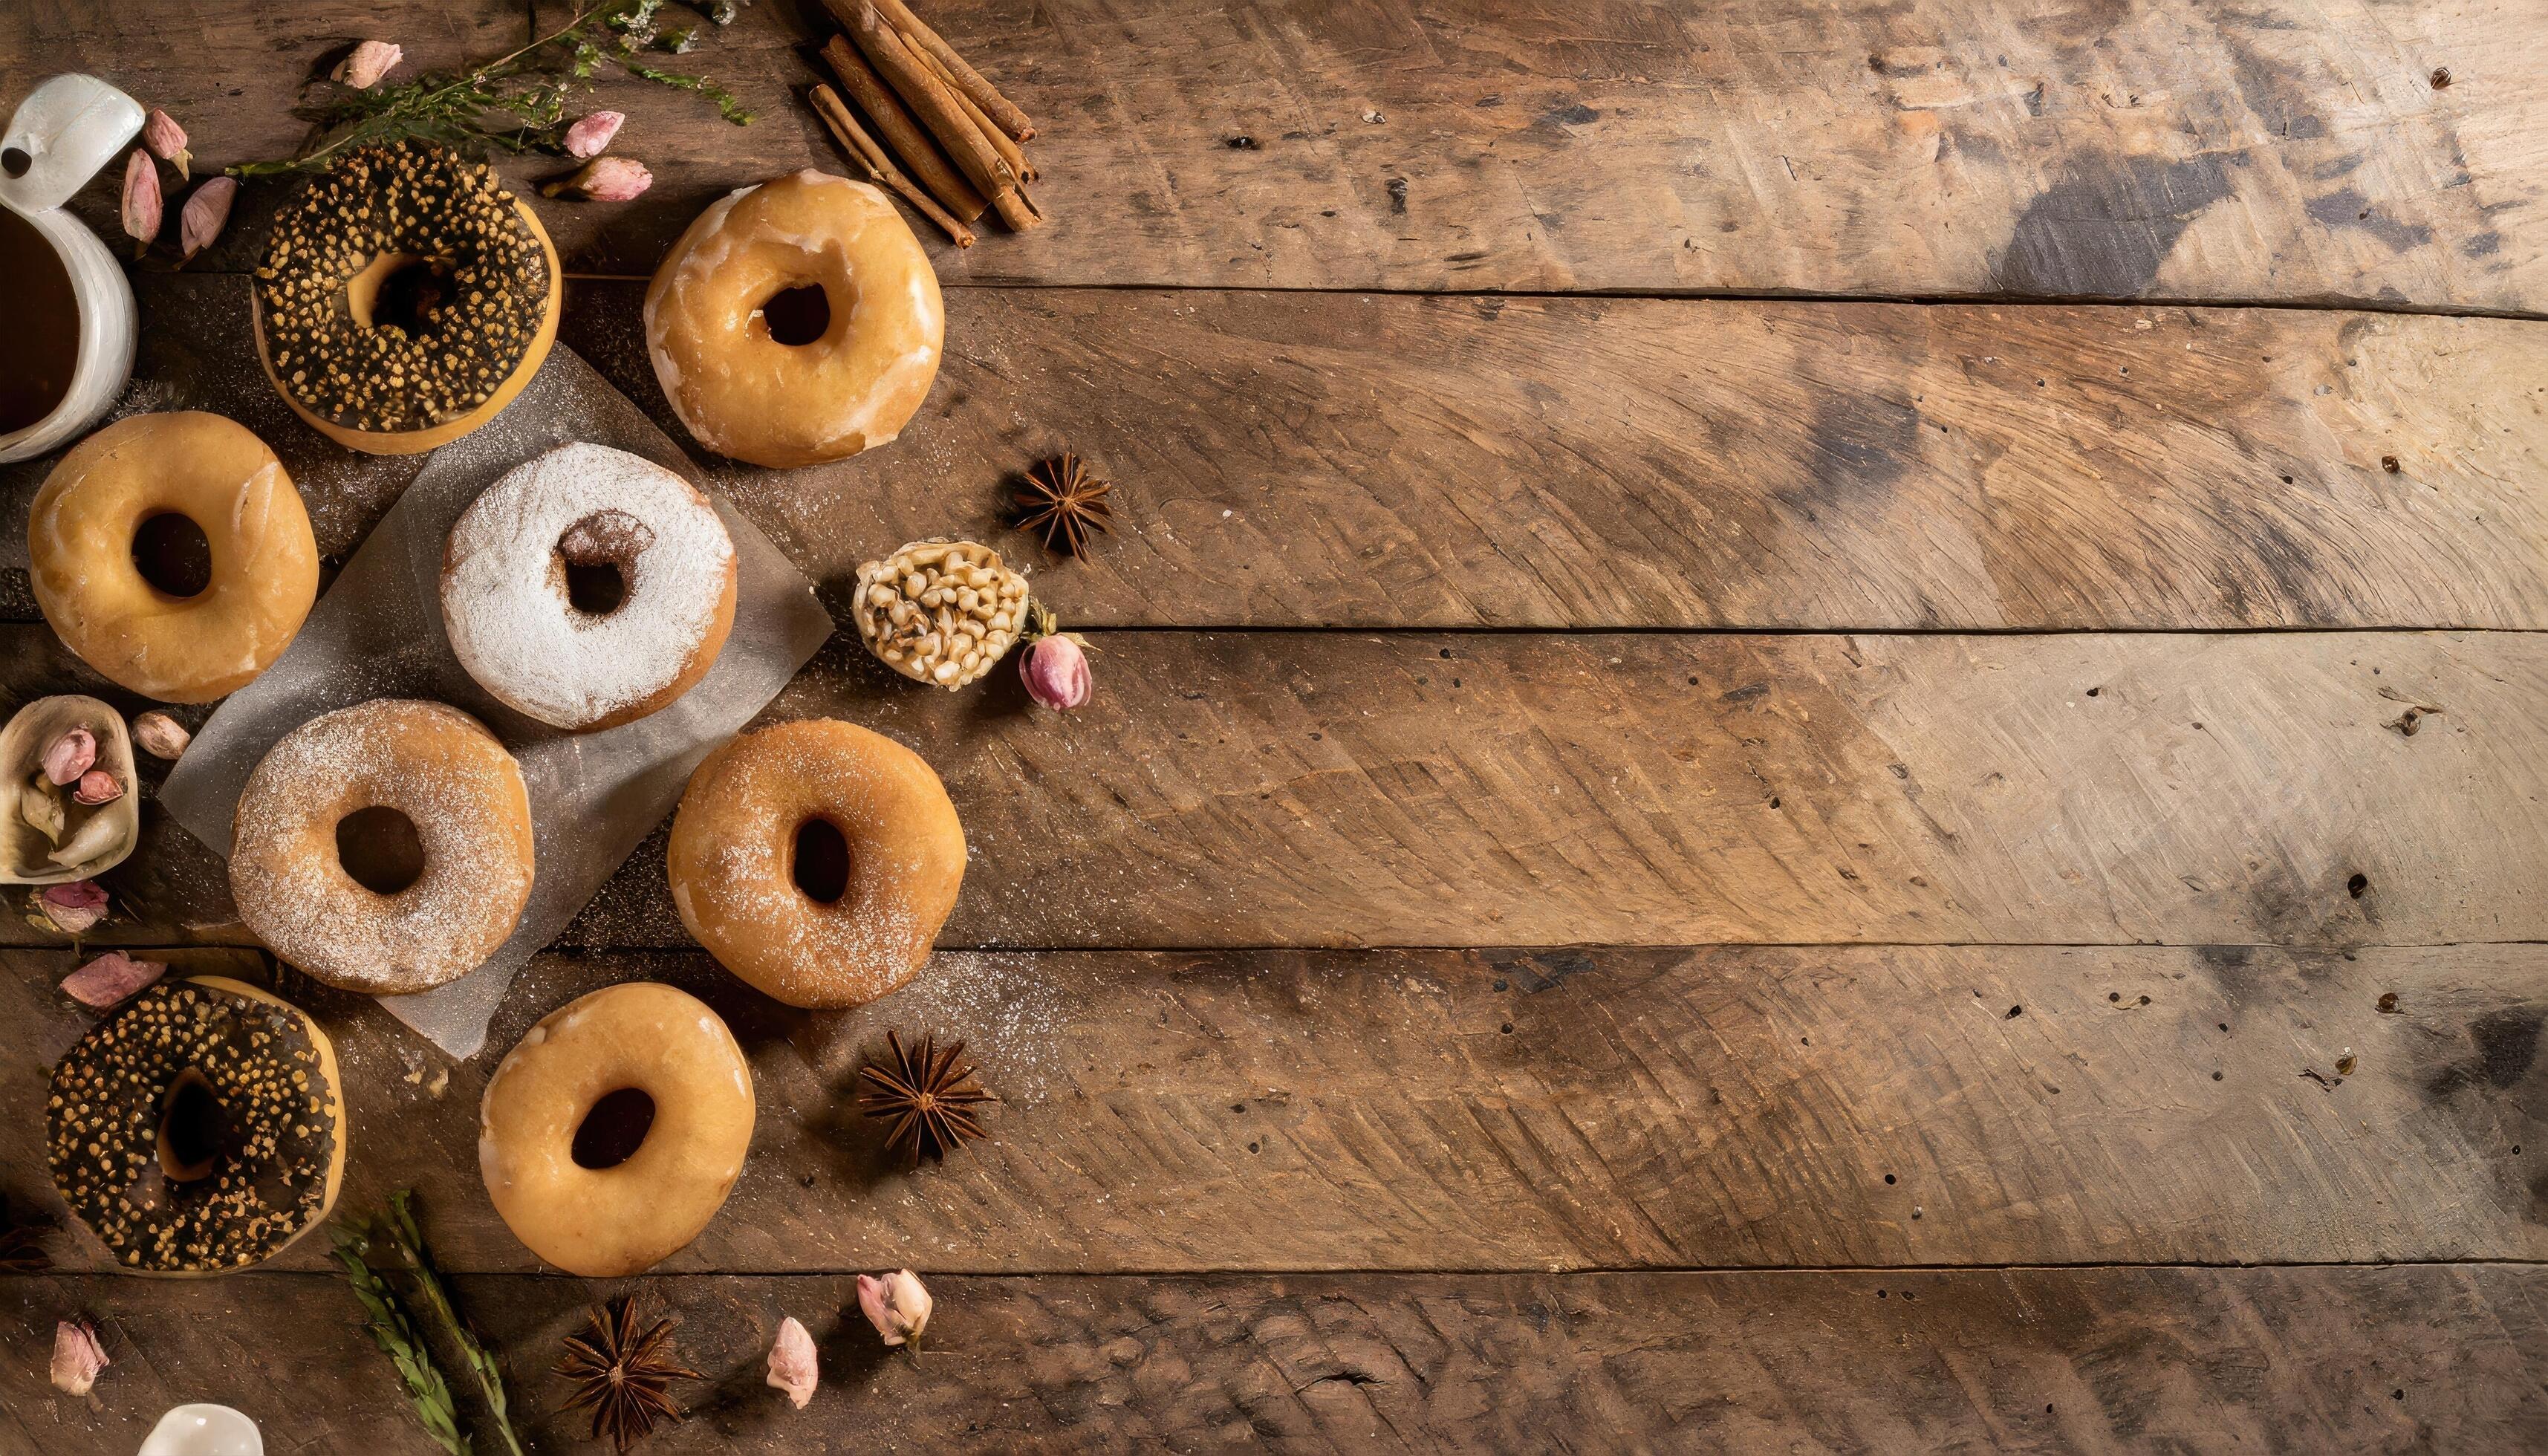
173 555
613 1132
821 863
595 588
797 315
193 1128
379 850
401 291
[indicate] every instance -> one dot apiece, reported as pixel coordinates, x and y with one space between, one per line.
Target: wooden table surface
1817 726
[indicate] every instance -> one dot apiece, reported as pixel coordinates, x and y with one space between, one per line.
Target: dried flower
603 179
111 978
623 1372
1057 671
161 736
365 65
167 141
591 133
1061 500
98 787
42 807
205 214
791 1362
77 1357
897 1304
927 1097
75 907
68 756
141 199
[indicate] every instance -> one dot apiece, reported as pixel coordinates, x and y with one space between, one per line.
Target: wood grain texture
1323 461
2283 151
1553 1110
1523 790
2424 1358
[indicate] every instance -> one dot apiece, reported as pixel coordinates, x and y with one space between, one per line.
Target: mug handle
62 132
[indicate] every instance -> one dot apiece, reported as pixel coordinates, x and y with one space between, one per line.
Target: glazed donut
405 297
449 777
264 562
733 860
199 1130
603 1223
509 603
745 394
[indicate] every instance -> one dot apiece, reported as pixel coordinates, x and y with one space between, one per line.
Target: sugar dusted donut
199 1130
603 1223
510 597
450 780
710 322
734 861
264 562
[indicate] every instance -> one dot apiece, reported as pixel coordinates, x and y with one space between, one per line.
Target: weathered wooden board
2433 1357
1267 788
1557 1110
1312 460
2168 150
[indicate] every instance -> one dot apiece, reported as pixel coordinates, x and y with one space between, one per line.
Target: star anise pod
1060 499
22 1244
926 1097
623 1371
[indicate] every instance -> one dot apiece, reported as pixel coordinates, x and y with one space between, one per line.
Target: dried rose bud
167 141
68 756
77 1357
98 787
897 1304
791 1362
205 214
110 978
603 180
161 736
75 907
366 64
591 134
141 199
1055 670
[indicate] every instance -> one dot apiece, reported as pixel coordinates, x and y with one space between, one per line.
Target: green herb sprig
514 103
396 1334
403 1240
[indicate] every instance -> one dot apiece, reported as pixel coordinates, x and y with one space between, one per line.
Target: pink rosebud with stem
364 65
591 134
68 756
791 1362
73 908
205 214
141 199
897 1304
77 1357
167 141
603 180
1055 670
98 787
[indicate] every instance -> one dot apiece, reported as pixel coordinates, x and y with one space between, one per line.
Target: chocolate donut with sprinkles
200 1130
404 299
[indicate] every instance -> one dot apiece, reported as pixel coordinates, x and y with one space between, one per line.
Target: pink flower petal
791 1362
205 214
141 199
98 787
590 136
77 1357
75 907
363 67
111 978
603 180
166 140
68 756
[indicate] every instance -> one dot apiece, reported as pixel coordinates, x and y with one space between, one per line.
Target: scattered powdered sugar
503 592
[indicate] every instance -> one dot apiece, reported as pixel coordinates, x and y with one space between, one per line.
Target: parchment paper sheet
378 633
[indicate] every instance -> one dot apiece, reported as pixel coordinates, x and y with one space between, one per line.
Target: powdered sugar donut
796 322
589 587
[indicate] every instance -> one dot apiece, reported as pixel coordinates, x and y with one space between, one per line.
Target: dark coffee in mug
43 343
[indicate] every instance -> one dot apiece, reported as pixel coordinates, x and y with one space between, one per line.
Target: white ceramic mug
62 132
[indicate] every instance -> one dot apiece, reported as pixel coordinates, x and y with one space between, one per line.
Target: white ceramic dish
62 133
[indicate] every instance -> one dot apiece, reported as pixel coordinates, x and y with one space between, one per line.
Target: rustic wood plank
1318 461
1522 789
2282 151
1554 1110
2445 1358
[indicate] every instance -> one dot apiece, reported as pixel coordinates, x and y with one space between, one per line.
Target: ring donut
199 1130
458 789
756 396
603 1222
734 866
405 297
214 473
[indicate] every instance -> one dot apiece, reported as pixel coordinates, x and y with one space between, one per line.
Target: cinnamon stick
966 144
1004 115
871 156
908 141
1000 140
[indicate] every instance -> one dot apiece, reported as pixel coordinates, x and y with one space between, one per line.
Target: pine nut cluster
941 613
